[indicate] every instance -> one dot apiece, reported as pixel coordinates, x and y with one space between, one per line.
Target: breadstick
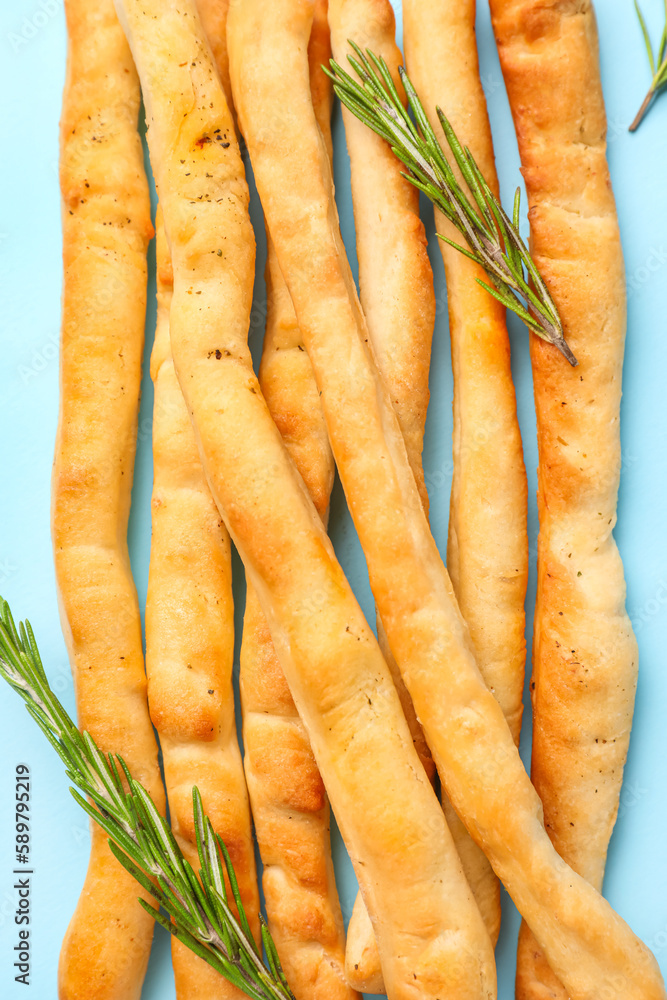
431 937
396 288
213 17
289 803
192 652
471 742
584 652
106 230
190 646
487 547
395 277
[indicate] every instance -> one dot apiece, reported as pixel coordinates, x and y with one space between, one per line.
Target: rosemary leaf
492 237
657 65
197 913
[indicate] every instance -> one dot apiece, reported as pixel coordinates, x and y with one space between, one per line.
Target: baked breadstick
192 651
396 289
584 652
472 745
289 803
106 230
487 547
395 277
431 936
213 16
190 646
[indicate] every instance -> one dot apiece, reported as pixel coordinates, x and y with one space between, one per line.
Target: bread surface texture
335 670
290 807
190 646
106 230
397 297
584 651
190 619
487 545
466 730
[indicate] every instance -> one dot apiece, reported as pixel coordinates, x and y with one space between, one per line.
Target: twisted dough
584 652
471 742
190 646
190 620
487 548
106 229
405 858
289 803
396 290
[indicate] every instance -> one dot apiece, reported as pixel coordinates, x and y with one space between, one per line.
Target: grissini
466 730
213 16
106 230
190 618
487 546
289 804
584 651
397 297
395 276
190 646
405 858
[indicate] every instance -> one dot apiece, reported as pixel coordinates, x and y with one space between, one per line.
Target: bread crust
333 665
190 619
397 297
464 724
584 652
289 802
106 230
213 16
190 646
487 545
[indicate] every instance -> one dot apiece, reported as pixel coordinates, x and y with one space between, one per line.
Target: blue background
32 64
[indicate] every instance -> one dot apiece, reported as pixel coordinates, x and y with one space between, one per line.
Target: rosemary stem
464 196
643 109
198 912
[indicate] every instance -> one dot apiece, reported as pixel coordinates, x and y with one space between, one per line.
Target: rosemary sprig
140 837
492 237
658 66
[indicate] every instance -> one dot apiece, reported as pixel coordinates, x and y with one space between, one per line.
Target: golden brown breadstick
584 652
395 277
431 937
190 619
396 289
190 646
471 742
213 16
487 548
289 803
106 229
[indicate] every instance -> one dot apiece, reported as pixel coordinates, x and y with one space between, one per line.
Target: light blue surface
32 60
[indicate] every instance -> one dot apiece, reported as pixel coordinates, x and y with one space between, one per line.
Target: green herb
140 838
492 236
658 64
